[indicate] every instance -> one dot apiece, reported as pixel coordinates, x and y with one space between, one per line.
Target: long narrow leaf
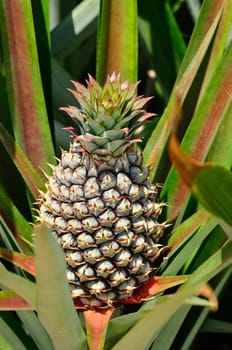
75 28
150 324
9 338
203 127
9 300
117 40
18 225
25 167
25 262
24 83
54 304
23 287
196 51
163 39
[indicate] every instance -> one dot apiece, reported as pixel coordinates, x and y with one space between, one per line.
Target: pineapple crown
108 116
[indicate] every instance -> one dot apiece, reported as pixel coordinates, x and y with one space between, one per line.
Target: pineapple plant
199 247
99 202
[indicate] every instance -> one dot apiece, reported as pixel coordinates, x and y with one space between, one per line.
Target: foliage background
165 30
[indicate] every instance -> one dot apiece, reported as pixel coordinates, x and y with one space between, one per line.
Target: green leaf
9 300
25 262
31 323
148 326
182 232
208 117
117 40
18 225
23 287
8 339
178 260
217 326
163 39
195 323
75 29
54 303
28 110
199 44
213 188
25 167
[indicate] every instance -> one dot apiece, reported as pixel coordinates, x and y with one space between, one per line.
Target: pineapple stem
96 325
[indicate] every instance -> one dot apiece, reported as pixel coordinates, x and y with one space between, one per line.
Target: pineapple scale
103 212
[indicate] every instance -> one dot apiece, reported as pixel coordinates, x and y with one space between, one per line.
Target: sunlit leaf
9 300
25 167
117 40
22 286
23 80
213 187
54 300
75 28
23 261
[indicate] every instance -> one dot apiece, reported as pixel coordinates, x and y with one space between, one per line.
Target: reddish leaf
9 300
155 285
24 82
25 262
96 324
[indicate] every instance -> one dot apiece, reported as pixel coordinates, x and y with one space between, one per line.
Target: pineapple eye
107 218
124 207
103 235
139 225
123 257
118 277
111 197
74 226
107 180
104 268
95 206
97 287
138 175
123 183
73 258
80 210
138 244
85 273
90 224
85 240
123 224
66 210
92 255
135 264
128 286
76 193
79 175
125 238
91 188
110 248
60 224
77 291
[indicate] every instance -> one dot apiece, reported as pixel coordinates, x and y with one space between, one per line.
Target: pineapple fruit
99 202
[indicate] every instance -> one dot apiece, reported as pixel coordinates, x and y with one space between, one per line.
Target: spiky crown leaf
108 116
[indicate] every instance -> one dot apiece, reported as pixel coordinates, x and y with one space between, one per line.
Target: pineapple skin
103 210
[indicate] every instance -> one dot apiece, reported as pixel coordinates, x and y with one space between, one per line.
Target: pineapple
99 202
